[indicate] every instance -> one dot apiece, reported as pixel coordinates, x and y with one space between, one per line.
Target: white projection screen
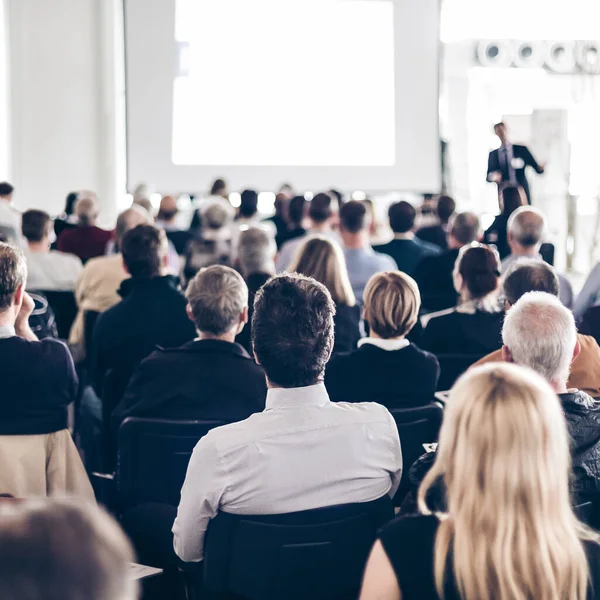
318 93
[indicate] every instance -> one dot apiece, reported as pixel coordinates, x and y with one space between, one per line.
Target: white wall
64 113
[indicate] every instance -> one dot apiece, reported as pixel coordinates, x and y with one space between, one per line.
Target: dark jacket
394 378
434 277
346 327
152 313
434 234
408 254
203 379
496 234
254 283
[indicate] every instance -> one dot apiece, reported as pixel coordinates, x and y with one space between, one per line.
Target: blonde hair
323 260
510 532
392 302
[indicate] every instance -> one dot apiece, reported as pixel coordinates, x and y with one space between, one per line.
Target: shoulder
439 318
426 357
366 412
46 349
386 261
65 258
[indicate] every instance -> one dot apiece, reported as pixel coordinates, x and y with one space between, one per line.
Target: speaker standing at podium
507 164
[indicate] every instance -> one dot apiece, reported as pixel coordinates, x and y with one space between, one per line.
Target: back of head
391 304
256 250
35 225
504 455
292 330
512 198
321 208
479 268
13 274
167 209
218 188
526 226
59 550
216 216
353 217
86 209
70 201
130 218
6 189
445 208
144 249
529 275
144 203
465 228
323 260
402 216
248 203
540 333
297 210
217 296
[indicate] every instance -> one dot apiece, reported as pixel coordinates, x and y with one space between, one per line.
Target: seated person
589 295
406 249
434 274
323 454
47 270
294 225
210 378
508 530
511 198
323 260
474 326
438 234
386 368
526 275
60 549
167 219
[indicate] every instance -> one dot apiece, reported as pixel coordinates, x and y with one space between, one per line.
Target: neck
406 235
8 317
454 244
274 386
524 250
354 241
228 336
320 227
38 247
560 387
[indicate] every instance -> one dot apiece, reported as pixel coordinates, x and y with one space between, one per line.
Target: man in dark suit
406 249
507 164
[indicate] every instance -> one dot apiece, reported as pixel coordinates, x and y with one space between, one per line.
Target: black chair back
152 458
64 306
452 366
89 323
318 554
547 250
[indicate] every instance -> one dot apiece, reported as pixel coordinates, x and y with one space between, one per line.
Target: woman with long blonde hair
509 532
323 260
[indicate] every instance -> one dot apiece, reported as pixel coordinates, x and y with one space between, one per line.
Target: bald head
464 230
130 218
168 208
525 230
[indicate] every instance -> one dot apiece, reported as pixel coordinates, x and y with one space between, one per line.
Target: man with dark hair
322 214
438 234
406 249
295 221
48 270
362 261
211 377
323 454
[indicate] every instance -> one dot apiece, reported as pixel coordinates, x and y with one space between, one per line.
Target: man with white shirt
49 270
303 451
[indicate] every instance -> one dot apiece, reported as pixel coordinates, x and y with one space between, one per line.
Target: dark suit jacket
394 378
434 234
203 379
434 277
497 234
408 253
495 163
254 283
346 327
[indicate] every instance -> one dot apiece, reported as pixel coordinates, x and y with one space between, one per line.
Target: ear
19 295
189 313
458 282
576 351
244 315
506 355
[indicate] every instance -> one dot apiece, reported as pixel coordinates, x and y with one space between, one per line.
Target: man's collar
311 395
389 345
7 331
409 235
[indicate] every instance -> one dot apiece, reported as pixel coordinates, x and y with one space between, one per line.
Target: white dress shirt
52 271
302 452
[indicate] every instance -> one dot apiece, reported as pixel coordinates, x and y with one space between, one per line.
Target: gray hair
256 250
466 228
217 296
217 215
540 333
13 273
130 218
529 275
86 208
526 226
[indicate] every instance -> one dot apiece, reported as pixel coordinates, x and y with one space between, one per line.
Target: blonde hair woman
510 532
386 368
323 260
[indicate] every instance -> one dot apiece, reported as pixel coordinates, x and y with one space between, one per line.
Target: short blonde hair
392 302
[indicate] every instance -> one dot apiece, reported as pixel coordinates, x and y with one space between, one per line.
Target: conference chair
452 366
547 250
64 306
318 554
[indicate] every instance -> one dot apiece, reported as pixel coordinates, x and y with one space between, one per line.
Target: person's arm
530 161
589 293
205 482
379 582
22 328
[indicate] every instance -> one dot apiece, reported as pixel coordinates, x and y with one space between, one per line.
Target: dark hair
34 225
337 195
321 208
70 203
499 124
297 210
445 208
353 216
512 199
6 189
478 268
249 203
402 216
143 249
218 186
529 275
292 329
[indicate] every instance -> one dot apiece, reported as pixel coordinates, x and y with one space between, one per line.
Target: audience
60 550
406 249
438 234
361 260
434 274
323 217
167 219
296 213
386 368
323 453
211 377
511 198
281 217
248 216
589 296
67 219
508 530
527 275
48 270
219 188
10 218
323 260
474 326
525 233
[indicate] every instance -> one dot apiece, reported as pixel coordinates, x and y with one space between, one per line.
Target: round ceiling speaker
497 53
560 57
529 55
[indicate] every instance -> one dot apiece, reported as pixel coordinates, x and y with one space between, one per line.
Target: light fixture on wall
529 55
497 53
560 57
587 55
